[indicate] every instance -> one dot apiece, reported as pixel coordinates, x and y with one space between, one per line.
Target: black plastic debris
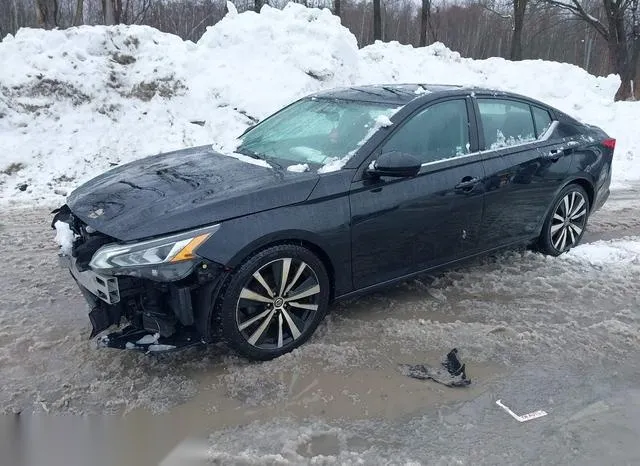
452 373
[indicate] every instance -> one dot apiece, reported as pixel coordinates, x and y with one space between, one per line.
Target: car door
524 168
404 225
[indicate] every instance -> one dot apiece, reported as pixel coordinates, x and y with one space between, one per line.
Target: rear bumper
601 198
602 189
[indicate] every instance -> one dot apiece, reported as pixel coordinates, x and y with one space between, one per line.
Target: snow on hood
76 102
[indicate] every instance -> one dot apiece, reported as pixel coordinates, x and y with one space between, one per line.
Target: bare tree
621 30
257 5
47 13
78 17
111 11
519 9
377 20
336 8
425 14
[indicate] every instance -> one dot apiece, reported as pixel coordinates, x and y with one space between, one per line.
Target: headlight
173 249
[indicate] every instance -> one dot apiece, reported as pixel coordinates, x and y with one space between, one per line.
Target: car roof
402 94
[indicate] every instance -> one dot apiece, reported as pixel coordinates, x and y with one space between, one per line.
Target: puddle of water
141 437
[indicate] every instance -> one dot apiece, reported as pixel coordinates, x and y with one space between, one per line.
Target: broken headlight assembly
168 258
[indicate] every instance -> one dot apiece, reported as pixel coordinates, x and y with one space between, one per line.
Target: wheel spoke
310 307
258 276
556 243
576 228
246 293
573 237
578 207
558 217
286 265
304 294
296 277
254 319
564 240
579 214
555 228
279 330
571 203
566 205
260 330
295 332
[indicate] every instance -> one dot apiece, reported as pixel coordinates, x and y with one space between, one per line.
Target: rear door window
506 123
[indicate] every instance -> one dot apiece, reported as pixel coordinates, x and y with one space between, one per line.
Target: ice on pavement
64 237
75 102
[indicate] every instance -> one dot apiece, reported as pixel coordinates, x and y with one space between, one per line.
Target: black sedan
337 194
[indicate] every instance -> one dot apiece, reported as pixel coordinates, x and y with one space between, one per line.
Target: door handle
555 154
467 183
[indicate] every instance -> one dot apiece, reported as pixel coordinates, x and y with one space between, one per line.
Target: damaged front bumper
101 286
150 316
151 312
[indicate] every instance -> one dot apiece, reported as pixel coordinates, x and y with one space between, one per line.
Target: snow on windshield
316 130
380 121
299 168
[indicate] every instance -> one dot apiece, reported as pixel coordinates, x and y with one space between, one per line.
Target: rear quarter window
542 120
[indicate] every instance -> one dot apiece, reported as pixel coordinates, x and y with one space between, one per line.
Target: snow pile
621 252
76 102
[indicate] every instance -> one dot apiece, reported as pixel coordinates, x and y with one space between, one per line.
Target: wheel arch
586 185
295 237
581 181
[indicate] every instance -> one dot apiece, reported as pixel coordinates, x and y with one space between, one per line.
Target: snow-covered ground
75 102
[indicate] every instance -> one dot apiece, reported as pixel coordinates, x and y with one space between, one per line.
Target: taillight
609 143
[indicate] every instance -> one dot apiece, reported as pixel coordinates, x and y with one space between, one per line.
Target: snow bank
620 252
76 102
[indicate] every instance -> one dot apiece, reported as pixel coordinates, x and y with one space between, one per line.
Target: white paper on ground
524 417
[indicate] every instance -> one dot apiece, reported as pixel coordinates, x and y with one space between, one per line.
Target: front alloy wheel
274 302
567 221
276 305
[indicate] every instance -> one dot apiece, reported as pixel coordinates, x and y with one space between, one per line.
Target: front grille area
86 244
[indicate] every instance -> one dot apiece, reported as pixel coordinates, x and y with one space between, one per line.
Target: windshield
314 131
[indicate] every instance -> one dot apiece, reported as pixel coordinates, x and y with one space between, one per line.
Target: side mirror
396 164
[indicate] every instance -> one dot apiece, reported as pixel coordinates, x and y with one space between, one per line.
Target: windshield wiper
256 155
250 153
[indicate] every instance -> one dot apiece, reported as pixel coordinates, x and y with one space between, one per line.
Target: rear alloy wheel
274 302
567 221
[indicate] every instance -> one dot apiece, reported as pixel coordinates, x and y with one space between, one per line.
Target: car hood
181 190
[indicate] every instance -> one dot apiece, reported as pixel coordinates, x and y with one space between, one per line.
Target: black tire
286 324
559 221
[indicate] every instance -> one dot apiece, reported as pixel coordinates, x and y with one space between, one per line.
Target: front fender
324 225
